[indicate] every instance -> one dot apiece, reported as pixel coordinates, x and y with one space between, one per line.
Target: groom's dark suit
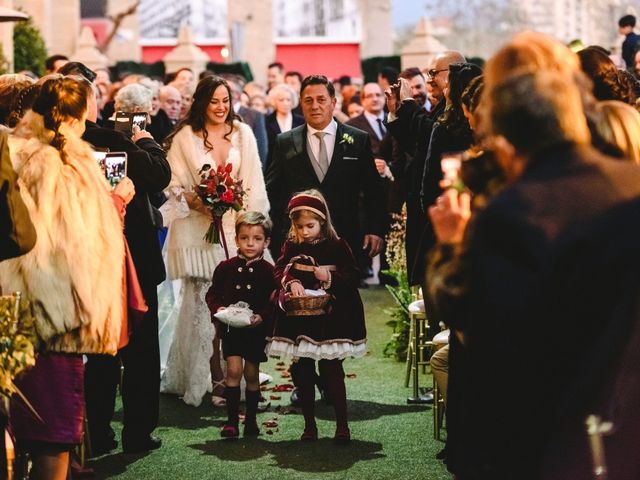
351 172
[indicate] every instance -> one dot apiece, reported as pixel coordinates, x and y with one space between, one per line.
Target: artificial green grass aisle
391 440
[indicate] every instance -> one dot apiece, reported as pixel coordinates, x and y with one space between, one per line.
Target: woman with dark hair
210 134
470 99
607 82
70 277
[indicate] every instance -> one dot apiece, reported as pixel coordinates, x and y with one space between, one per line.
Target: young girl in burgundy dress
330 337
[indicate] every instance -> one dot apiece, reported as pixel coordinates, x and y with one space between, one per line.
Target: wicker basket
307 306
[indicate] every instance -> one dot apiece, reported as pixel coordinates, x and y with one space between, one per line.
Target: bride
210 134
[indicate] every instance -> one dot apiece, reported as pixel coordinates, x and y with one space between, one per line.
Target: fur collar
74 275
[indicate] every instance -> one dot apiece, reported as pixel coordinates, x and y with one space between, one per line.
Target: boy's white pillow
237 315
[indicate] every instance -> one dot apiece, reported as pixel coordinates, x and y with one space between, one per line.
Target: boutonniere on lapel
346 138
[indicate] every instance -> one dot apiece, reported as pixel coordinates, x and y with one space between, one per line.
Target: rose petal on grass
284 387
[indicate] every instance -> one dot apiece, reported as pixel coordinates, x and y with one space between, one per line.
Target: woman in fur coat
72 277
210 134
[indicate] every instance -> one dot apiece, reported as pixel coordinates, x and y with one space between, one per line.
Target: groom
335 159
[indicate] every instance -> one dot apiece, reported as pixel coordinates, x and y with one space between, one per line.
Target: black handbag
17 233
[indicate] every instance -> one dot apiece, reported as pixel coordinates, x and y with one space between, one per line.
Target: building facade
592 21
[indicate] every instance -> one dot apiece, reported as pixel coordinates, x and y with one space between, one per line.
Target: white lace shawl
188 254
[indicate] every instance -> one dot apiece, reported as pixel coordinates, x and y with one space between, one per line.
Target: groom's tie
323 158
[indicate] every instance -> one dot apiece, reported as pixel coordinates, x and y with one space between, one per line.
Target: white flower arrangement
346 138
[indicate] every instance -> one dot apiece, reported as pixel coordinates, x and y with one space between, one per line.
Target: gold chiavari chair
439 340
417 353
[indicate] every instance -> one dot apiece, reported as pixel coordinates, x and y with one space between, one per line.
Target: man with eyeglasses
410 124
384 148
372 121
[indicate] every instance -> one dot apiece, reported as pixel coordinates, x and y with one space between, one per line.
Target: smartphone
450 164
113 165
125 121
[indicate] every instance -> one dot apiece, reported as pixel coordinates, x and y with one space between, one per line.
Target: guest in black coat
546 248
250 116
255 120
451 133
150 172
385 151
283 99
411 125
160 126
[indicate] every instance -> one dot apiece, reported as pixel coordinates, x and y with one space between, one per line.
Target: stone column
88 52
126 45
377 28
6 37
58 22
186 54
422 48
254 31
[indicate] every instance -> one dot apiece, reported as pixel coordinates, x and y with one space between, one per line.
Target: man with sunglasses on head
410 124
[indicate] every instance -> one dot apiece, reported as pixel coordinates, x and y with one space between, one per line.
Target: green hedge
371 66
238 68
157 69
29 51
154 70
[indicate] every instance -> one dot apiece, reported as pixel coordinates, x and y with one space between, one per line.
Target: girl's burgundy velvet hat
307 202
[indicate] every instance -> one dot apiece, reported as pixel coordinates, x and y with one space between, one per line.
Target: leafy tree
29 51
4 64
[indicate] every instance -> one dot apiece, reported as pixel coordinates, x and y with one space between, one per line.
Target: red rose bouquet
219 192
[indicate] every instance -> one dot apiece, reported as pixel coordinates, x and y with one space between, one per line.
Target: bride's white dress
189 258
187 372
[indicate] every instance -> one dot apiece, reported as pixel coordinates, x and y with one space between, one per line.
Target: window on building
162 19
93 8
336 9
317 18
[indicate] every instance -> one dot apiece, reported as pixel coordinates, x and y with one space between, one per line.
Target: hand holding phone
113 165
404 92
125 190
391 95
138 133
125 121
450 164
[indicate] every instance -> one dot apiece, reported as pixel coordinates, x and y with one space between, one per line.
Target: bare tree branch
117 22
